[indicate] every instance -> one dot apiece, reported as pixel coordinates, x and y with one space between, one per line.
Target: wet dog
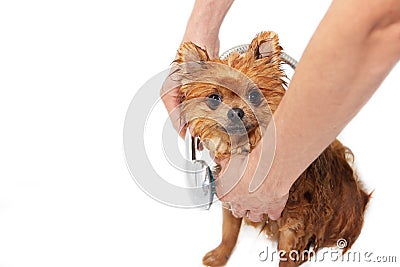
227 104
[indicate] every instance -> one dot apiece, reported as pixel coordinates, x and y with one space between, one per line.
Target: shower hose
243 48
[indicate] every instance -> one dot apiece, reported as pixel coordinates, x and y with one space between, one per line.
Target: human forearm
204 24
351 52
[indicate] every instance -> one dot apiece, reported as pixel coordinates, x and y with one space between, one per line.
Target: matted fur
327 201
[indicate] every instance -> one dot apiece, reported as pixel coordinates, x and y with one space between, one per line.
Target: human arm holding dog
339 71
341 68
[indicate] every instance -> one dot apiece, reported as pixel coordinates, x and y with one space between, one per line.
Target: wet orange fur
327 201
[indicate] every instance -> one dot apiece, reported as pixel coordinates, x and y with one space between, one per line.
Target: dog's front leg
230 231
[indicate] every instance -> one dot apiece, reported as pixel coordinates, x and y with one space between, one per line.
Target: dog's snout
235 114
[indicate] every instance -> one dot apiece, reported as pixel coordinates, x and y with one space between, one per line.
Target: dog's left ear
266 46
191 61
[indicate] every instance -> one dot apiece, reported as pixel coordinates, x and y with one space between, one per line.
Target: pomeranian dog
227 104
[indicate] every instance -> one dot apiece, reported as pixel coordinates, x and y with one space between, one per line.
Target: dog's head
228 103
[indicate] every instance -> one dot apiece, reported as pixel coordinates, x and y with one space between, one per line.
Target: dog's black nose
235 114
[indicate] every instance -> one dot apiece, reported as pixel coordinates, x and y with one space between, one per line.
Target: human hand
233 185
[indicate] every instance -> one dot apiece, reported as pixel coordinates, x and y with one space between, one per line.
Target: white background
68 71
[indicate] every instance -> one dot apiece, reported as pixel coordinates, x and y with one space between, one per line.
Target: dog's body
221 105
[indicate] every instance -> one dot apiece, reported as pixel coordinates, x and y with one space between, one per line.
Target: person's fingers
169 94
274 214
239 213
237 210
255 216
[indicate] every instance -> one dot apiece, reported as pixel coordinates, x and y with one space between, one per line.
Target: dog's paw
218 256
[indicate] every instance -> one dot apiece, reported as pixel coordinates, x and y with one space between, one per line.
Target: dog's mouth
237 129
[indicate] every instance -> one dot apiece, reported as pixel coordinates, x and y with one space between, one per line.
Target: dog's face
228 103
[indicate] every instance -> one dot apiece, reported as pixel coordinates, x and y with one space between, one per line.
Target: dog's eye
213 101
255 97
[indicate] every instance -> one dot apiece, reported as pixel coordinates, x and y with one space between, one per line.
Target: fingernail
255 218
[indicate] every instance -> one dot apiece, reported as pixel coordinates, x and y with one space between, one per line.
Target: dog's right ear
189 52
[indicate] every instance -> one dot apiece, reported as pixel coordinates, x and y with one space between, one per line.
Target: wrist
205 22
206 41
